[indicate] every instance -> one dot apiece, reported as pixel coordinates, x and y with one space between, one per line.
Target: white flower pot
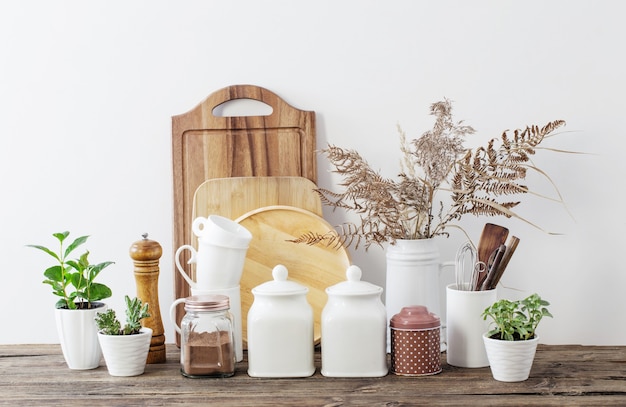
126 355
510 361
78 336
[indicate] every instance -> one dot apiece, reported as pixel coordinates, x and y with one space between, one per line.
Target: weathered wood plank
561 375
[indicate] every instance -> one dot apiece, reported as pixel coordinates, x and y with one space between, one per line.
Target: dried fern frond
495 172
481 181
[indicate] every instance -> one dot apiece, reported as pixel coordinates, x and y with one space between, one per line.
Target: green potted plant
512 343
73 280
125 348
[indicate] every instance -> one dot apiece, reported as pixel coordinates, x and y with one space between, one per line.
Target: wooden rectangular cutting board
206 146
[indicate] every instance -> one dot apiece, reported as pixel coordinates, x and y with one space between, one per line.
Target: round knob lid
145 249
354 285
415 317
280 285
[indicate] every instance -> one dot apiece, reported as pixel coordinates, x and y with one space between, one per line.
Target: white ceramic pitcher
413 278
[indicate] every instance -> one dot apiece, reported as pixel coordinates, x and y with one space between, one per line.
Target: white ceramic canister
354 326
280 329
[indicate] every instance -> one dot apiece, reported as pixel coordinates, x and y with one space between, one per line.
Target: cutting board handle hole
242 107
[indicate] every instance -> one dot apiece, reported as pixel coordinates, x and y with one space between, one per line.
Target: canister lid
280 285
353 285
414 317
216 302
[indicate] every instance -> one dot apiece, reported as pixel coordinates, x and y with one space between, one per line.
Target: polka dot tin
415 346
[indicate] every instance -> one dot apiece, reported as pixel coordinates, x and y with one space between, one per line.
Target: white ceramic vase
510 361
126 355
412 278
78 335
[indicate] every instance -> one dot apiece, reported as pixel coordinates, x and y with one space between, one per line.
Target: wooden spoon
493 266
511 245
492 237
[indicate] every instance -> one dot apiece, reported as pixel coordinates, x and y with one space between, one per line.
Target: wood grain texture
568 375
511 246
233 197
206 146
146 254
491 238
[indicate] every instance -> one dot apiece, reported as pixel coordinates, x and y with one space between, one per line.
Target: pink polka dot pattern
415 352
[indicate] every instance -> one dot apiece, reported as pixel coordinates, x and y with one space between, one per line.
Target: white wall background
87 91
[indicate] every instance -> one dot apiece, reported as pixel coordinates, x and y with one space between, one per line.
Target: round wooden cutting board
316 267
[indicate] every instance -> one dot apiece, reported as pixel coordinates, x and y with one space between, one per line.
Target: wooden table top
36 375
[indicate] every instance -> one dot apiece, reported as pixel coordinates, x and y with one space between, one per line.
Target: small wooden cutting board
232 197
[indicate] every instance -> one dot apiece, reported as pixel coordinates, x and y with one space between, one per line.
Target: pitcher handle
444 324
191 260
173 312
446 264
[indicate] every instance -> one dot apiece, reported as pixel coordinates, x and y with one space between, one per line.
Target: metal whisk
467 281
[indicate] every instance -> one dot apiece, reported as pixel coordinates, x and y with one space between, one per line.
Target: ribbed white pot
126 355
510 361
78 335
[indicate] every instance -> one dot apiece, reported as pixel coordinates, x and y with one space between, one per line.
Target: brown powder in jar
202 354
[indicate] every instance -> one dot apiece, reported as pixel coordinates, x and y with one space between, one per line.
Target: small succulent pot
126 355
510 361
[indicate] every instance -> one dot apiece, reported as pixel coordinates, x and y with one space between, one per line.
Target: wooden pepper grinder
146 254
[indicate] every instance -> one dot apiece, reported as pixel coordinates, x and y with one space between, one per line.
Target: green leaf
77 280
83 261
96 269
74 264
56 286
79 241
44 249
54 273
98 292
61 236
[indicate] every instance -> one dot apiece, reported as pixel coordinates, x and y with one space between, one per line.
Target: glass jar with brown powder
206 337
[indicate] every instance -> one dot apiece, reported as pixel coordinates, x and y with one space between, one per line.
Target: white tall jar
354 324
280 329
